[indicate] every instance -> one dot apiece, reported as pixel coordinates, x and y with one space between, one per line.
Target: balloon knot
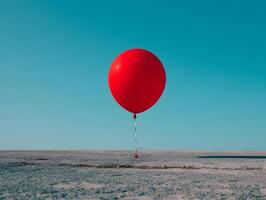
134 116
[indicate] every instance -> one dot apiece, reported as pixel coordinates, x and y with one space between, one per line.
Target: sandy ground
117 175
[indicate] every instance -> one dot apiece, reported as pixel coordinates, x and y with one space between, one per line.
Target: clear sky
55 57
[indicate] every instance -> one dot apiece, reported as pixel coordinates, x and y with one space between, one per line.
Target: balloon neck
134 116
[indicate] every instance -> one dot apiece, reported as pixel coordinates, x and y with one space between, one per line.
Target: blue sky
55 57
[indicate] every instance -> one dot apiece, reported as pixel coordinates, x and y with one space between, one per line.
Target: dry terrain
117 175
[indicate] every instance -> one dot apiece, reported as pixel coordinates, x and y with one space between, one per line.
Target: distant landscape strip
232 156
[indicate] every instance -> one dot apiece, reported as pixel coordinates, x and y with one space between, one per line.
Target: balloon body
136 79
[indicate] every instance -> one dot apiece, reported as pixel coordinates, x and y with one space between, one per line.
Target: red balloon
136 80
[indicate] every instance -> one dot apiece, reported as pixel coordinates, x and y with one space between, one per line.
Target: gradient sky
55 57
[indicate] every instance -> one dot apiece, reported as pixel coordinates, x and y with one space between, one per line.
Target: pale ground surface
117 175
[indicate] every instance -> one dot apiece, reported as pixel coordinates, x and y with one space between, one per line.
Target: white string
135 134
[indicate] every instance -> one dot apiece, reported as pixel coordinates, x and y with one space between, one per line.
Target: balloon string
135 130
135 134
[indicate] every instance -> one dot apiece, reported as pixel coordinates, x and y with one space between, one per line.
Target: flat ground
117 175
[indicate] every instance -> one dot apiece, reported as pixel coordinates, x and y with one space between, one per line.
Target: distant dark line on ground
113 166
